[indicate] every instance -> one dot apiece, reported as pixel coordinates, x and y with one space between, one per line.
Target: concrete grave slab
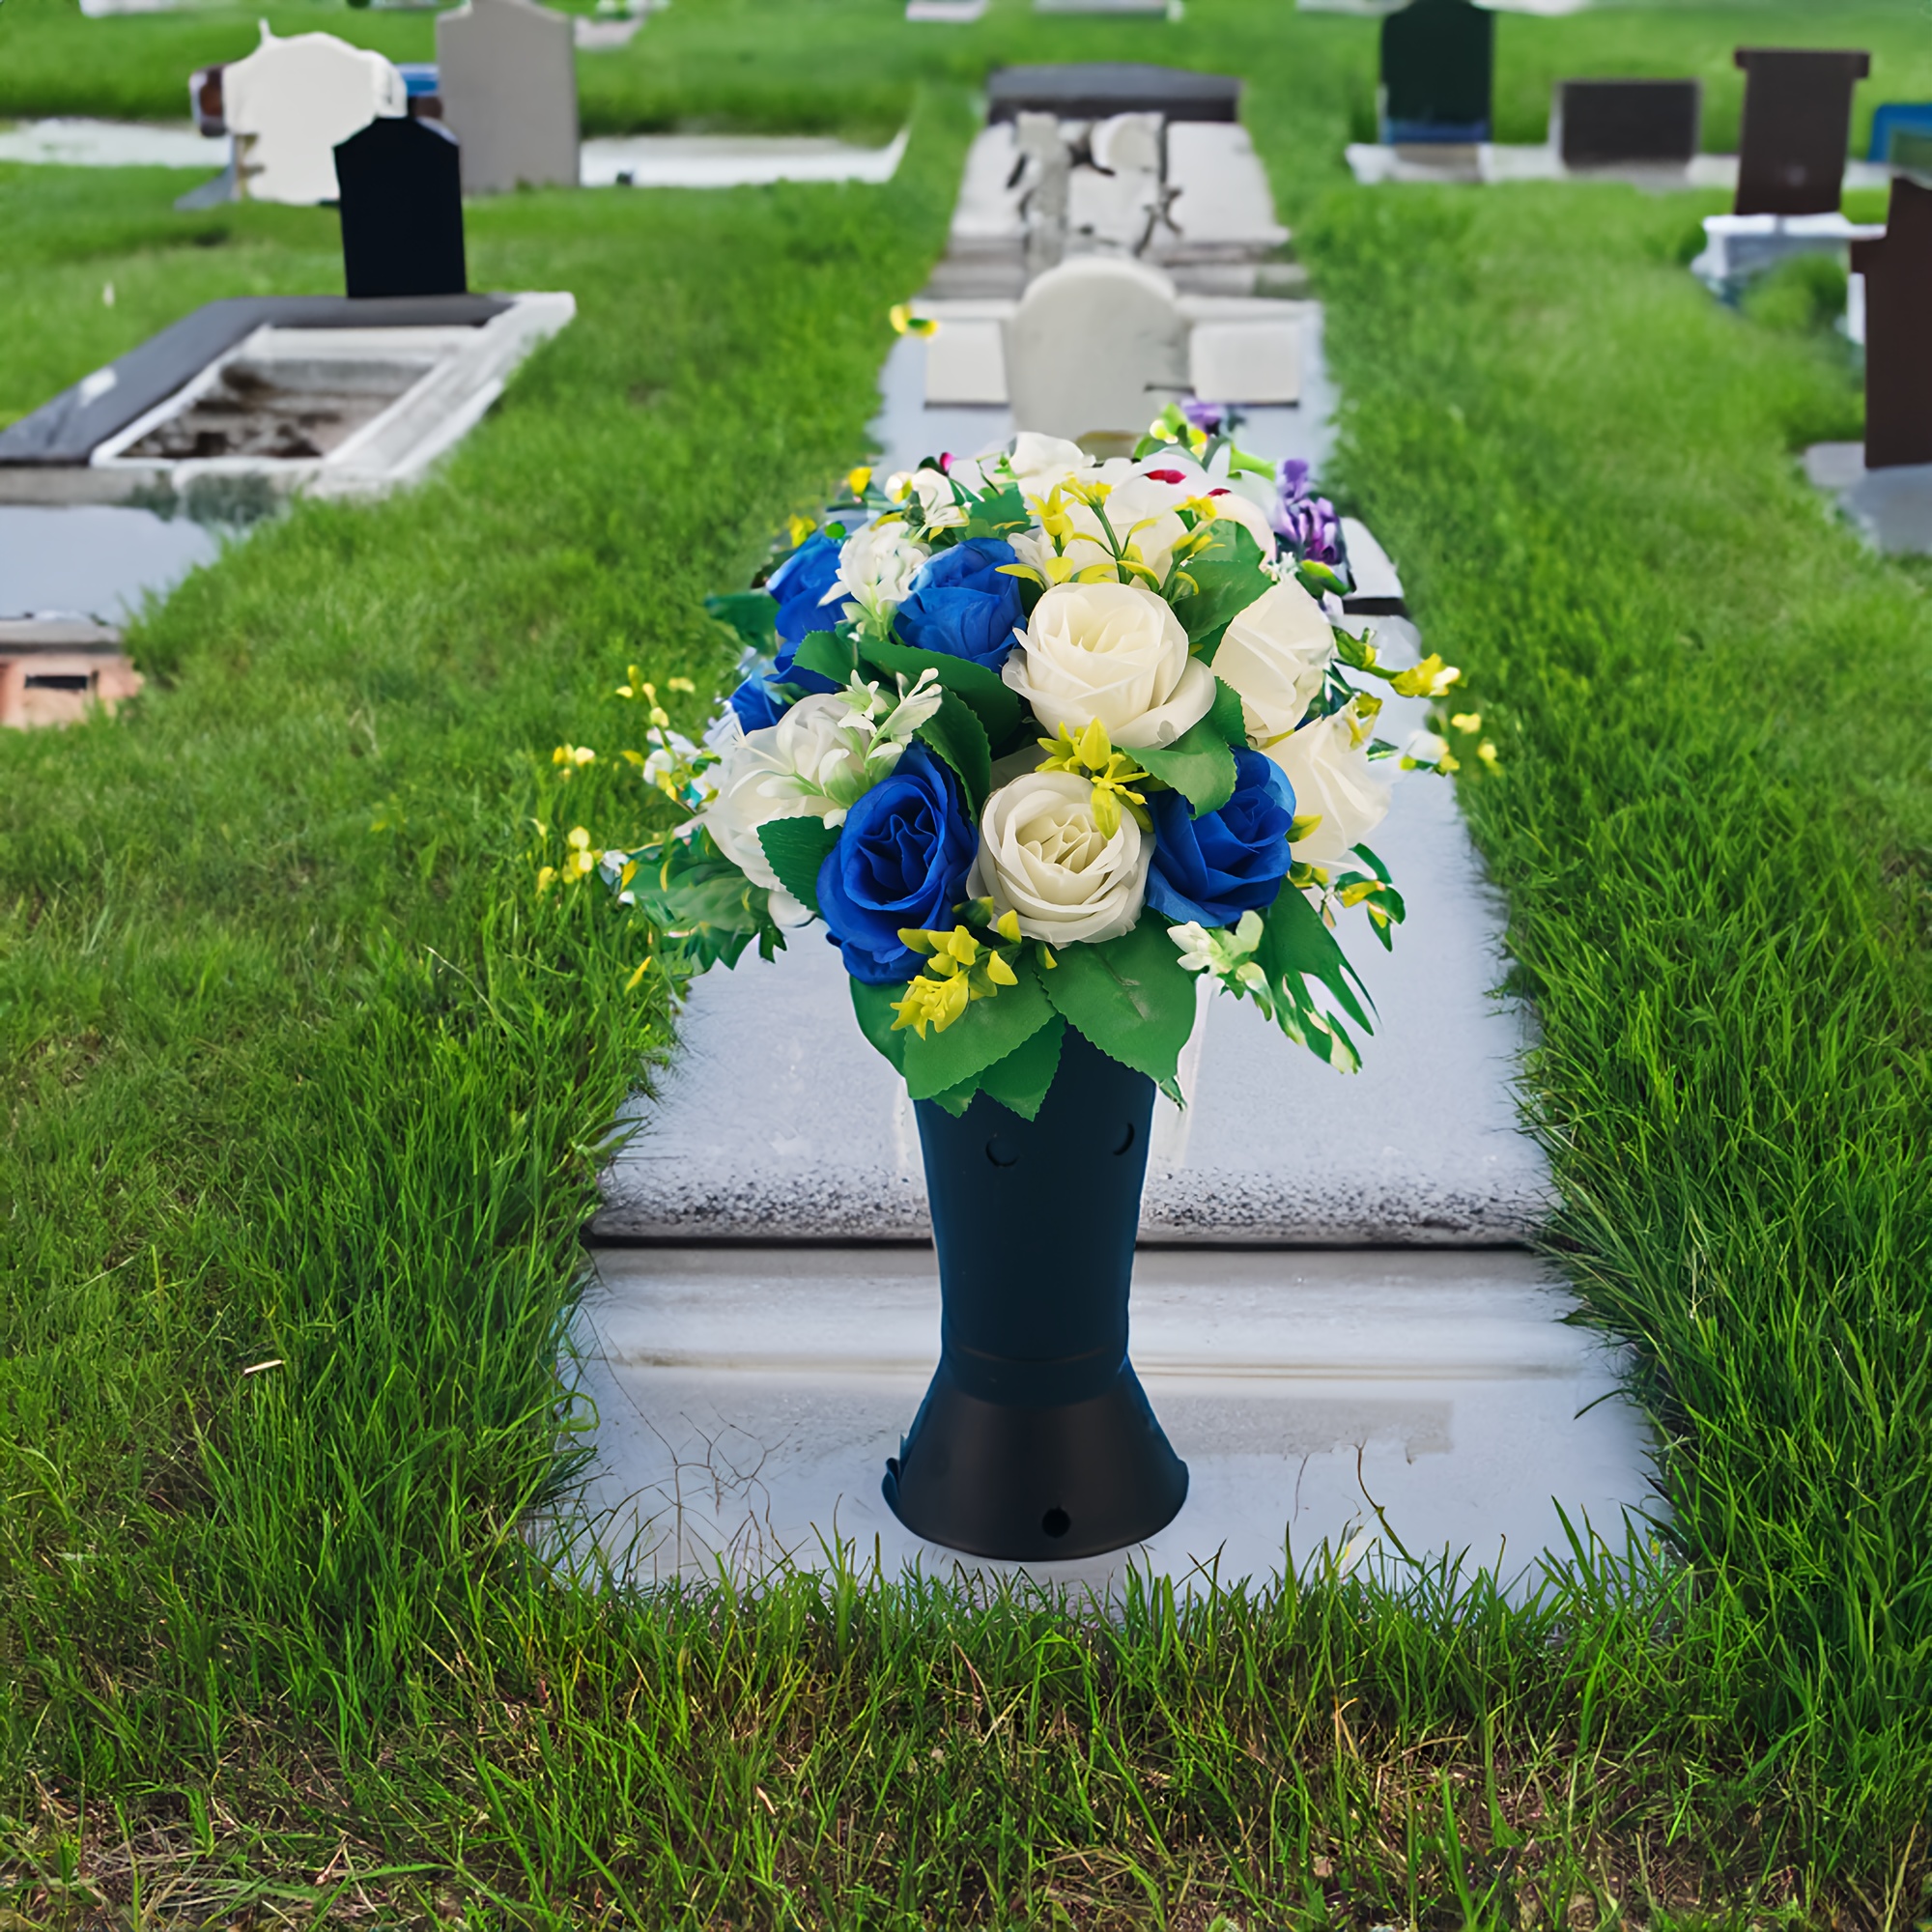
75 142
747 1400
1093 90
947 12
1737 247
1422 1146
1890 507
508 78
94 561
732 160
603 37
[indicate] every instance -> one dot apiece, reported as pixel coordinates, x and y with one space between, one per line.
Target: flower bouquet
1044 741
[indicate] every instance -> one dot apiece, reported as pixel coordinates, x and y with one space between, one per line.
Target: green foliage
1804 296
751 615
1020 1081
955 733
1131 997
1197 764
986 692
873 1007
1216 581
796 849
982 1036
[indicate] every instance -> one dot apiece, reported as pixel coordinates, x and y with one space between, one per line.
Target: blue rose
961 606
902 859
799 585
758 703
1215 868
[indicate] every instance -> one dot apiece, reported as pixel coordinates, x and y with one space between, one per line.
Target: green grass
851 66
300 1068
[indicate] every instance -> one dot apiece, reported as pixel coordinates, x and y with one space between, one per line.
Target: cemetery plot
758 1440
312 392
55 672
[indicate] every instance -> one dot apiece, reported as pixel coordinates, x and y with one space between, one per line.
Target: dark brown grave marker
1897 268
1438 60
1612 123
1796 128
401 209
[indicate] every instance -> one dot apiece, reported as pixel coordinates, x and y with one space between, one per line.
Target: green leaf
1198 765
983 1035
999 515
1131 997
1295 943
985 691
828 654
1021 1079
955 733
1227 576
797 848
873 1005
702 903
1228 717
751 614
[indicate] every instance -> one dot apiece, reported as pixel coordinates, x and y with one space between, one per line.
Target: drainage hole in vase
1002 1152
1056 1522
1127 1138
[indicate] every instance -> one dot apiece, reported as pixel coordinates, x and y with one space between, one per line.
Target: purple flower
1207 417
1306 525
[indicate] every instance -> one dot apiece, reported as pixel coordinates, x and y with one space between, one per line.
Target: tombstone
401 209
1897 271
1098 347
1599 124
420 81
291 101
1438 58
1796 128
1096 90
205 102
508 78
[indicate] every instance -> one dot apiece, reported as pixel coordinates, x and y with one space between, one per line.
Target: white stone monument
1098 346
507 75
289 103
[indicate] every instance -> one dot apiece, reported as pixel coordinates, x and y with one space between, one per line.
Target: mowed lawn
300 1068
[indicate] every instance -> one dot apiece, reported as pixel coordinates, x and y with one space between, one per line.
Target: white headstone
291 100
1098 346
506 71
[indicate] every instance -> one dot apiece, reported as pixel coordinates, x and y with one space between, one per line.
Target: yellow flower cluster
960 968
1092 756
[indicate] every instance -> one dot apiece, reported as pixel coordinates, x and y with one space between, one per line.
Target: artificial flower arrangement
1040 738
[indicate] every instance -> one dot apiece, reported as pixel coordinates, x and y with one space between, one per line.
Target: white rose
1040 464
1115 652
810 763
1328 764
876 567
1044 858
1276 654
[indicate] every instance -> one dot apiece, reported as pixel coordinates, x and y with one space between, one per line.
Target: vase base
1035 1485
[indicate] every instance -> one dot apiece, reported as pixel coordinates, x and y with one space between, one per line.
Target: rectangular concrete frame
746 1402
464 369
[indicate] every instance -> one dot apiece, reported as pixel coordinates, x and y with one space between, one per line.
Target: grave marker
507 76
401 209
1098 347
1897 271
1600 123
1094 91
1797 128
288 104
1438 58
1894 118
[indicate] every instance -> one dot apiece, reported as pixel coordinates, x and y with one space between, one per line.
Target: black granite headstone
401 209
1897 268
1796 128
1438 58
1092 90
1612 123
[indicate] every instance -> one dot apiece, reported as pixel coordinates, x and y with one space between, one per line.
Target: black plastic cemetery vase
1036 1439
